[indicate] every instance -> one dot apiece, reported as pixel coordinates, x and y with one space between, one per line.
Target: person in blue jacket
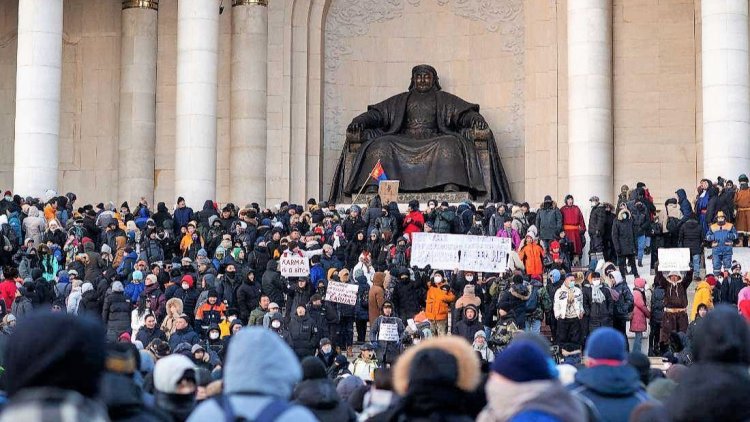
722 235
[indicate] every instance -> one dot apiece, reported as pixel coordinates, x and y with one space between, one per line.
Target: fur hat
466 364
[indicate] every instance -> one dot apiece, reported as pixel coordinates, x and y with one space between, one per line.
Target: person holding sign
385 335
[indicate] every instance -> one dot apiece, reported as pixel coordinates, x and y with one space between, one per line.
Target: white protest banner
484 254
468 253
674 259
294 265
341 293
741 255
440 251
388 330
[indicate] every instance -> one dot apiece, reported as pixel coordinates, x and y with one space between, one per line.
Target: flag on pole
378 173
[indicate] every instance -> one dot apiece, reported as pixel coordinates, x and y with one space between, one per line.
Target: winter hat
608 345
743 178
522 361
213 293
547 198
151 279
37 355
187 278
555 275
106 249
202 253
639 283
324 341
617 276
480 333
347 386
711 280
117 287
170 370
197 347
137 275
313 368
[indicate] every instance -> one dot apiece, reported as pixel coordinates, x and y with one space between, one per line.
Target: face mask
470 278
185 286
213 335
231 318
719 279
276 324
571 284
596 282
438 279
8 198
326 349
593 204
417 340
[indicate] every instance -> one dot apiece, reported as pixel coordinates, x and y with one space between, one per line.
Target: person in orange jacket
210 312
439 298
531 254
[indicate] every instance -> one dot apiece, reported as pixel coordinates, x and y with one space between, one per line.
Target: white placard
388 330
342 293
741 255
674 259
468 253
294 266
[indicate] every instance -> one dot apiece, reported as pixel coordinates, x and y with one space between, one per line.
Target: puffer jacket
641 313
304 335
438 303
691 236
444 220
682 200
467 327
408 297
624 234
513 301
116 315
549 222
597 221
272 285
722 237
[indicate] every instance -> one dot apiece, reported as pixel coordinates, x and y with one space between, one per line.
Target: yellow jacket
703 294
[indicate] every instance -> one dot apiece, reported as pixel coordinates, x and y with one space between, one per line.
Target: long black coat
116 315
304 335
272 285
691 236
623 235
408 298
248 297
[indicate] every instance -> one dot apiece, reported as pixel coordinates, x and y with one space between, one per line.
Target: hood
681 195
623 214
378 279
177 302
610 381
317 394
33 211
722 337
162 207
208 205
272 265
473 308
259 361
639 283
517 212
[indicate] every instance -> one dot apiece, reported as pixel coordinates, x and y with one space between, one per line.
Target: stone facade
329 59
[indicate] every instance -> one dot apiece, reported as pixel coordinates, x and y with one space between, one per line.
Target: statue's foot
371 189
451 187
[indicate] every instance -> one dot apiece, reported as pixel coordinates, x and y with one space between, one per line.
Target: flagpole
369 176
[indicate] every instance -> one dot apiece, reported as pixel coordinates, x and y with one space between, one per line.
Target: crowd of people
114 313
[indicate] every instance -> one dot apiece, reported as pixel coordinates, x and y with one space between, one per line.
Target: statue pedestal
423 197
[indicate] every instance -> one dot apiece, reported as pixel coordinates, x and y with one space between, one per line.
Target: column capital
140 4
236 3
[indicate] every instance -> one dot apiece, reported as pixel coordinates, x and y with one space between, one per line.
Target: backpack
15 223
533 301
524 227
673 225
363 297
269 413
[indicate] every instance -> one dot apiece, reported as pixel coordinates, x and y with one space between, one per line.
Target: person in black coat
272 285
298 294
325 316
373 212
597 221
353 223
725 201
187 293
408 295
303 333
354 248
248 296
90 303
691 236
150 331
318 393
469 324
597 304
116 312
512 302
624 241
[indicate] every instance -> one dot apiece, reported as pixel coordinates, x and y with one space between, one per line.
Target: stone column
726 95
590 141
247 163
197 86
137 100
38 85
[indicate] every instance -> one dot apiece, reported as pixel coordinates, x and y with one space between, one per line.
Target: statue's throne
480 137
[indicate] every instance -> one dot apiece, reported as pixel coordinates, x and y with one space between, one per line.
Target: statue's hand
355 127
479 123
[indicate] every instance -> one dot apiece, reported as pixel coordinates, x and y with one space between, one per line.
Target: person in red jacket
8 286
414 220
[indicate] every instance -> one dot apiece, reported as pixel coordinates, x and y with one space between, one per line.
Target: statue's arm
371 119
472 119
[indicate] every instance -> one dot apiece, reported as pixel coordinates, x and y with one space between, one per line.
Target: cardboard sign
342 293
388 191
388 330
674 259
294 266
468 253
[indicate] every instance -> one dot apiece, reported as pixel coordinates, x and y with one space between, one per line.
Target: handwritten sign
468 253
388 191
342 293
674 259
388 330
294 266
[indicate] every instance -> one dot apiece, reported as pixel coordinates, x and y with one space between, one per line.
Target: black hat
547 198
311 201
313 368
444 204
213 293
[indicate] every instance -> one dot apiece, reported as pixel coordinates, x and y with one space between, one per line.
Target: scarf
596 294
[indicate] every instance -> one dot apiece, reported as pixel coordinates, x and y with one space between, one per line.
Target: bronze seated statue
428 139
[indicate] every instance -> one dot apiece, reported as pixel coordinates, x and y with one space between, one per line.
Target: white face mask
417 340
326 349
185 286
596 282
438 279
720 279
470 278
213 336
276 324
593 204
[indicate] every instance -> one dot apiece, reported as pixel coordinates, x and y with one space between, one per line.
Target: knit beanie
606 343
313 368
137 275
522 361
117 287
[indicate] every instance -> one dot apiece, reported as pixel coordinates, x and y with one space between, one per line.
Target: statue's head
424 78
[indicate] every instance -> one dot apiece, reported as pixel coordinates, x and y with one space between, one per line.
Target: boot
640 263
